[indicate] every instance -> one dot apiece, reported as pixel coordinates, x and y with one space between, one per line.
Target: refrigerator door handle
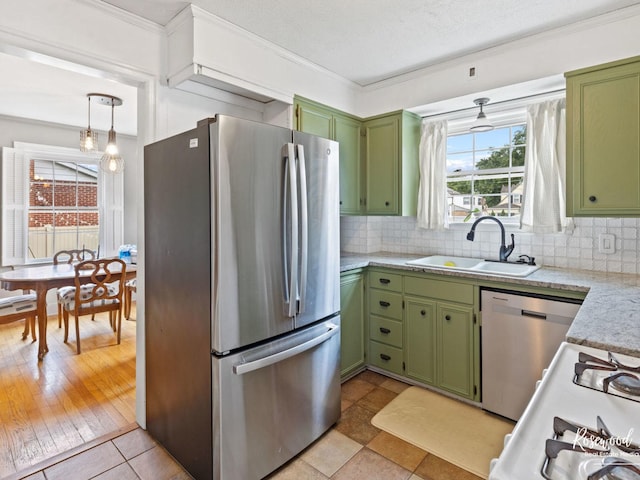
290 229
304 228
243 368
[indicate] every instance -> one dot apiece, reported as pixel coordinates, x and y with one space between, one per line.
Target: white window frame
15 199
505 116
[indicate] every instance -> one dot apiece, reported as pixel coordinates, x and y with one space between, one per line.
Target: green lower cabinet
438 346
386 357
421 340
454 327
352 327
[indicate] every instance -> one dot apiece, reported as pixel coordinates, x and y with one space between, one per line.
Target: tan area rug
454 431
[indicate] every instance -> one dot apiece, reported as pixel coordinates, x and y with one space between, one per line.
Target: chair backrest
73 256
101 274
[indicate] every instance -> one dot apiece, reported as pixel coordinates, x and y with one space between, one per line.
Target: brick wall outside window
62 204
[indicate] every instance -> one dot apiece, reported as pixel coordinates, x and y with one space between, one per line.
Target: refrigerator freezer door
249 291
272 401
319 291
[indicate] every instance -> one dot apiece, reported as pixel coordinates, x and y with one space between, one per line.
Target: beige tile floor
352 450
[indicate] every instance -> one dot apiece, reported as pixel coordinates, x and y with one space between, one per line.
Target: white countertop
609 318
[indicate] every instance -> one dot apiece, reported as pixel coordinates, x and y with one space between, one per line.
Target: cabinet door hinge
298 111
475 319
403 304
403 367
475 390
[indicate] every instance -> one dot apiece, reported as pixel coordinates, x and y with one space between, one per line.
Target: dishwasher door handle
529 313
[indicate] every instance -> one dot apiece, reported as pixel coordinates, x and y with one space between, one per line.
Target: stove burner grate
616 469
623 381
604 462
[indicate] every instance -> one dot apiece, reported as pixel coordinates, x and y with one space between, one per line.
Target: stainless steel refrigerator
242 295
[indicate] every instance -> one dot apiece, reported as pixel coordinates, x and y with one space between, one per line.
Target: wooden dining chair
103 293
69 256
129 287
20 307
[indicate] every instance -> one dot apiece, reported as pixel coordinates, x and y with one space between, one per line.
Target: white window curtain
432 193
544 203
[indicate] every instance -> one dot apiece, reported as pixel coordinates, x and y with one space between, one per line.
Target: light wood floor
50 407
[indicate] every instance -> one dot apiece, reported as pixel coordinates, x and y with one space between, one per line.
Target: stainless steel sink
477 265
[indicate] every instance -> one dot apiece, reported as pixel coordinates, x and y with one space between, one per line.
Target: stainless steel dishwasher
520 335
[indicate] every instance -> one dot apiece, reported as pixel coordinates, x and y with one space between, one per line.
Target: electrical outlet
606 243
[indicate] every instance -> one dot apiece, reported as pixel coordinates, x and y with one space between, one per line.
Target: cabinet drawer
426 287
386 304
385 331
385 356
385 281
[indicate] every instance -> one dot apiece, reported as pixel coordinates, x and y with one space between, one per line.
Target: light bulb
112 163
112 149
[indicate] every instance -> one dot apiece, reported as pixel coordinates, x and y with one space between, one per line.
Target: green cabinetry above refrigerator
378 157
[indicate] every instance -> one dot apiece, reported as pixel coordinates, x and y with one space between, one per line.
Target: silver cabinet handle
243 368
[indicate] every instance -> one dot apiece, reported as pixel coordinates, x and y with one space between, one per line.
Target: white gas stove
583 421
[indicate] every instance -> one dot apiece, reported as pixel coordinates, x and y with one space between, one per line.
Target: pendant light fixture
111 161
88 137
482 123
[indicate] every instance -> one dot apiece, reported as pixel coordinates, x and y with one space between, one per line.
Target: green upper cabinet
391 164
317 119
314 118
603 140
378 157
347 133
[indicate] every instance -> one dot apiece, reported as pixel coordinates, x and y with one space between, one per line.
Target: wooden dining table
42 279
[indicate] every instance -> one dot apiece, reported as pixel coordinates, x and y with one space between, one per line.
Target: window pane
63 207
519 135
496 138
460 143
498 192
518 157
459 162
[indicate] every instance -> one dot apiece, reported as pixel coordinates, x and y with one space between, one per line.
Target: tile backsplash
578 249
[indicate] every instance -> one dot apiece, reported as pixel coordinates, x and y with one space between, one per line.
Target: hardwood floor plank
66 400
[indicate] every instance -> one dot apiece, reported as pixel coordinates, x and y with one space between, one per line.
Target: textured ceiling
370 40
361 40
